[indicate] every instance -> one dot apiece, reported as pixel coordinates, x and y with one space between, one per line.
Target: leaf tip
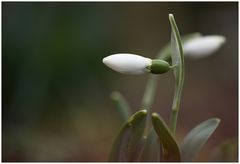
139 114
217 120
154 115
144 111
114 95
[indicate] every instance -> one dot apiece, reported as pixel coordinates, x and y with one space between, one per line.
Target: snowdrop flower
135 64
203 46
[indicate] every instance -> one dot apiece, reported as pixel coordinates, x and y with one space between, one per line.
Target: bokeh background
56 102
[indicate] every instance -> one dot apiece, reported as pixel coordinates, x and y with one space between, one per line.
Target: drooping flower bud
203 46
127 63
135 64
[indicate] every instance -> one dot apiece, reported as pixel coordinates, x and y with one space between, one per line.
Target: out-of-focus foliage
226 151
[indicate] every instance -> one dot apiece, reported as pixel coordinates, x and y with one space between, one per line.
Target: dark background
55 89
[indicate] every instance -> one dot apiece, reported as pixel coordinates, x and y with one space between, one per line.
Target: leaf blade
171 149
179 73
177 59
126 143
196 138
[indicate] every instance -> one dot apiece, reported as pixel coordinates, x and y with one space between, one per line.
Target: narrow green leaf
122 105
178 60
128 144
171 151
196 138
152 148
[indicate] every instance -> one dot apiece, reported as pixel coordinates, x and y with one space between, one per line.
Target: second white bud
203 46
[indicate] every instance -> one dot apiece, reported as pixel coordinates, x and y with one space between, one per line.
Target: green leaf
122 105
152 148
128 144
196 138
227 151
171 150
178 60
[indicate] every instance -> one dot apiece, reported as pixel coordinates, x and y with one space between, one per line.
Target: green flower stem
149 92
173 120
152 82
148 98
151 86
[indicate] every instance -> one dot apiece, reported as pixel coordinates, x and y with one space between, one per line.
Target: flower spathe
127 63
203 46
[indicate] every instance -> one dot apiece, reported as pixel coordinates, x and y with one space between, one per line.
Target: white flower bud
127 63
203 46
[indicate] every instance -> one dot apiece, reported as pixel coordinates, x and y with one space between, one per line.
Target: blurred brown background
55 99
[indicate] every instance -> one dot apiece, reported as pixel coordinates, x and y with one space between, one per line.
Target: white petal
203 46
127 63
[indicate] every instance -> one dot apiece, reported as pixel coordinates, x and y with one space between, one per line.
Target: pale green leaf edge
196 138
